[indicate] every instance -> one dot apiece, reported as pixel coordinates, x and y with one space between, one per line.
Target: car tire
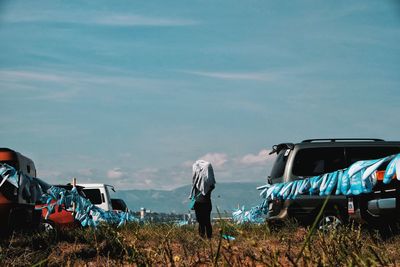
329 222
50 228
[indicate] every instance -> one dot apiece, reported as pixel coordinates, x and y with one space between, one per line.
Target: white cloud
256 159
145 177
138 20
115 173
16 75
64 86
86 172
255 76
97 18
188 164
216 159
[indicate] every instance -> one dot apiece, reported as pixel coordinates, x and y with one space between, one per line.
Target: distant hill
226 197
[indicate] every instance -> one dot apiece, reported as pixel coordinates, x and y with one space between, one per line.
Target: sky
131 93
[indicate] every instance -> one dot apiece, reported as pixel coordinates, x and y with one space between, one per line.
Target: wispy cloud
65 85
115 173
98 18
18 75
138 20
48 85
254 76
227 168
327 14
256 159
146 178
216 159
239 168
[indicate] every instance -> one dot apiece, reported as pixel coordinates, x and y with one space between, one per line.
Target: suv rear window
316 161
362 153
279 167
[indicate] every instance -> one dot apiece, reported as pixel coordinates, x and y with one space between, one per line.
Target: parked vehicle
61 218
18 161
380 208
17 202
99 195
314 157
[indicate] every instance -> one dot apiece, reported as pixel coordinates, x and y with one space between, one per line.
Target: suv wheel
329 222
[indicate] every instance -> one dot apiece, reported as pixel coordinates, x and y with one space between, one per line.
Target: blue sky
132 92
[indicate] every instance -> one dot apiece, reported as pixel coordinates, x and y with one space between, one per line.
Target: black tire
50 228
330 221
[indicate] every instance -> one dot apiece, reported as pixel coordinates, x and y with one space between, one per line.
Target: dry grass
162 244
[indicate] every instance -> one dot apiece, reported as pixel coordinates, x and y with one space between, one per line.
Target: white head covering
203 177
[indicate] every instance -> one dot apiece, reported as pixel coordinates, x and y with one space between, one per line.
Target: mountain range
226 197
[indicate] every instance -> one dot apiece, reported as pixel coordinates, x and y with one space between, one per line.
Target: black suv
314 157
380 208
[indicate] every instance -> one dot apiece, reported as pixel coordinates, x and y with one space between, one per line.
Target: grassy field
152 244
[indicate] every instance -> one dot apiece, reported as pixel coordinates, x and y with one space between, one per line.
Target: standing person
203 182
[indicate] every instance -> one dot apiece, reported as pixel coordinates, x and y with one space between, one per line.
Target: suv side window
362 153
93 195
315 161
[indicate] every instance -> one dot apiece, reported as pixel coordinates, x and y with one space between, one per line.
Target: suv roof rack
342 139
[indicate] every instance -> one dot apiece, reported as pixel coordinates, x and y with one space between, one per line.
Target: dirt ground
162 244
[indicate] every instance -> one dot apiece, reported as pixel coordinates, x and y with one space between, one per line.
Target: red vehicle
61 218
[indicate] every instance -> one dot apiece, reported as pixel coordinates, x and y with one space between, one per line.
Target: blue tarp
359 178
28 190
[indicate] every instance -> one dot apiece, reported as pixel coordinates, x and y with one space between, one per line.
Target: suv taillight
381 174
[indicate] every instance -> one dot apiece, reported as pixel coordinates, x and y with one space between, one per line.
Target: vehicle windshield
279 166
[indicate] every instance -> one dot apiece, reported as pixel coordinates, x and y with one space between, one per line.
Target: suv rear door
310 162
366 207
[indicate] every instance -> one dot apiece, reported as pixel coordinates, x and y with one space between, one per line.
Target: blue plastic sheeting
85 212
182 223
228 237
254 215
9 174
359 178
27 190
31 190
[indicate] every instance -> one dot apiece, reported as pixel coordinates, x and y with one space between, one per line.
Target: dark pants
203 217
